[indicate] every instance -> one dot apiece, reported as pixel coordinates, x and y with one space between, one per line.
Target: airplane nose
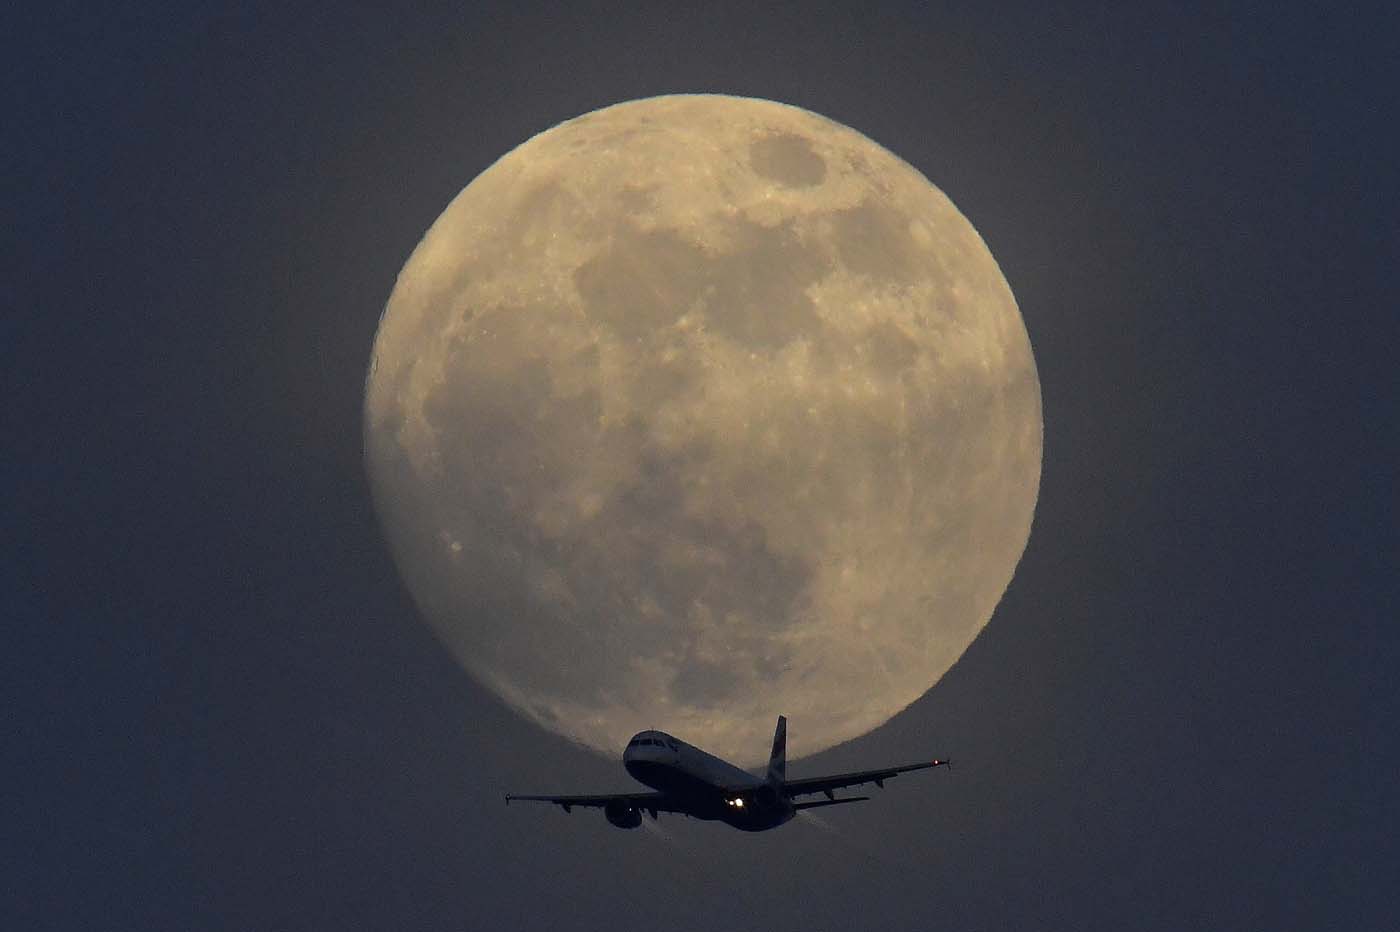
645 751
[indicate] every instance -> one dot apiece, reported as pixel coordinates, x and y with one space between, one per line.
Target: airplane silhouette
692 782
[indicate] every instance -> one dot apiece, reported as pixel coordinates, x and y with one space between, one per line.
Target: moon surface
699 409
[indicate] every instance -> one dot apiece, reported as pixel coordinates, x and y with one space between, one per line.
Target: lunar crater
788 159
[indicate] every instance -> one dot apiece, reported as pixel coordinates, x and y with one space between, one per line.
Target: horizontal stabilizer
829 802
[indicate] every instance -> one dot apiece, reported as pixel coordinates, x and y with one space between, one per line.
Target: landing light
737 802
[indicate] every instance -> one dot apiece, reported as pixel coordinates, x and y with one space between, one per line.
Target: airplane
691 782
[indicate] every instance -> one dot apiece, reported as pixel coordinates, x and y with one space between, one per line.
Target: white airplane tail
777 759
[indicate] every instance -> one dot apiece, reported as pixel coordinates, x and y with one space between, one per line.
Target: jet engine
622 814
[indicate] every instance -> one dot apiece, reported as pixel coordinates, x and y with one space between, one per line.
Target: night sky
223 712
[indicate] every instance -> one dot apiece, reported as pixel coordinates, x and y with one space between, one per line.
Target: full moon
698 409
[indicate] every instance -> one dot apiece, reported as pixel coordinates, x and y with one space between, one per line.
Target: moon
699 409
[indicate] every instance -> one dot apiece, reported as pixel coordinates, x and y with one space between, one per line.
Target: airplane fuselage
713 789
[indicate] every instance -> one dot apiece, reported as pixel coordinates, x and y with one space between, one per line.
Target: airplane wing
825 785
651 802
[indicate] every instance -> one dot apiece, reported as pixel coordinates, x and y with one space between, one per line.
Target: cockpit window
650 743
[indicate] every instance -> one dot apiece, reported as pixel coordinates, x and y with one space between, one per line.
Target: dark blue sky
224 712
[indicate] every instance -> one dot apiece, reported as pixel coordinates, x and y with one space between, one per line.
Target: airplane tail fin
777 759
